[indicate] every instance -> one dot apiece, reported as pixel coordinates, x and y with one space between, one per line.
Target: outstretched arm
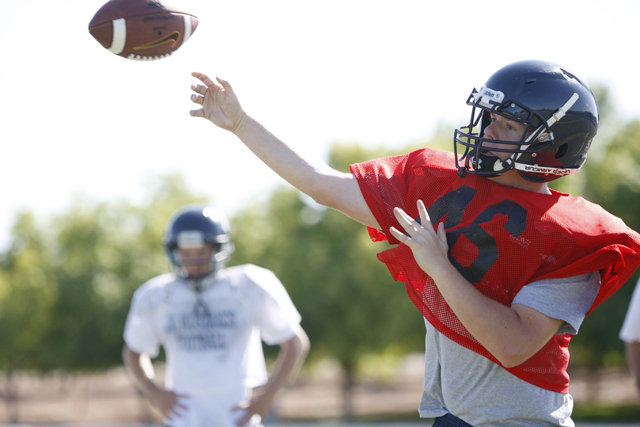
511 334
141 371
292 354
313 177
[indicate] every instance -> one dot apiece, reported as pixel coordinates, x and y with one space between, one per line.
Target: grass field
314 400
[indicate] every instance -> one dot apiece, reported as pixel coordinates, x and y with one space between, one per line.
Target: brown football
141 29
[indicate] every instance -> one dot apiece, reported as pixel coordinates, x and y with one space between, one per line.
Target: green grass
586 411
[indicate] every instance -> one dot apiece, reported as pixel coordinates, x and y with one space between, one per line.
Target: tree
65 288
27 295
26 299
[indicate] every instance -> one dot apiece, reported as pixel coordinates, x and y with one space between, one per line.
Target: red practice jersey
500 239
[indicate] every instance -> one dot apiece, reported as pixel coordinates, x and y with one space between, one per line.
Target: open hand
219 103
429 246
168 403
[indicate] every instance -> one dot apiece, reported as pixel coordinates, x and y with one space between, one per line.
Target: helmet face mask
192 231
559 113
534 138
195 262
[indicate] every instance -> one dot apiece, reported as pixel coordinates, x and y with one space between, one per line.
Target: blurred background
99 150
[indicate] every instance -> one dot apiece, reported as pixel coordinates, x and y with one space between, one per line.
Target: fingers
203 78
209 83
424 215
241 406
408 223
225 85
403 217
244 419
197 99
199 89
180 405
172 412
176 407
415 228
403 238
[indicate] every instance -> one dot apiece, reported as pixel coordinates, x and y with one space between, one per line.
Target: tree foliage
65 288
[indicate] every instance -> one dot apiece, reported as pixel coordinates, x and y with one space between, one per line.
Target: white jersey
212 343
630 331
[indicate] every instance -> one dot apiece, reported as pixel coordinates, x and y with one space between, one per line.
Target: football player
211 321
503 269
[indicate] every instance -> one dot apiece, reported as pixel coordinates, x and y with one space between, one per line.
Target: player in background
211 321
630 334
503 269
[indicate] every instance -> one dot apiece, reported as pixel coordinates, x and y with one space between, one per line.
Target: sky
77 120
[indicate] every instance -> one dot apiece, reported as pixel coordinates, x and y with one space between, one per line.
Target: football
141 29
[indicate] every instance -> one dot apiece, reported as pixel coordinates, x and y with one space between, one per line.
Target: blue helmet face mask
194 227
559 112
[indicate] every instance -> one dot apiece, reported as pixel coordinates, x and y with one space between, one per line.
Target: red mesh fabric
500 238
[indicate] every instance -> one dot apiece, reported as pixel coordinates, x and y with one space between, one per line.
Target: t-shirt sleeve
278 318
139 331
630 331
567 299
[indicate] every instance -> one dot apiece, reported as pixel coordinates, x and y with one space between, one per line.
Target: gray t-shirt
478 391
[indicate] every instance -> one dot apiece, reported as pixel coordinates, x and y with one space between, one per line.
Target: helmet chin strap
490 165
504 165
199 285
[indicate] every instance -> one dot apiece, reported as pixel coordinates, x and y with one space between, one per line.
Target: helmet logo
488 97
544 169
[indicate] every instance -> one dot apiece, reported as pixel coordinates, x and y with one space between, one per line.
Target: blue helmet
194 226
558 109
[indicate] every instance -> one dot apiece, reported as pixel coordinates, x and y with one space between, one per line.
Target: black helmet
194 226
560 113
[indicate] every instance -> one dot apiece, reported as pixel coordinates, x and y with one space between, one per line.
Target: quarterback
502 268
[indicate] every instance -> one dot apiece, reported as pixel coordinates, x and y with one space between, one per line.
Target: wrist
444 274
239 123
151 389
